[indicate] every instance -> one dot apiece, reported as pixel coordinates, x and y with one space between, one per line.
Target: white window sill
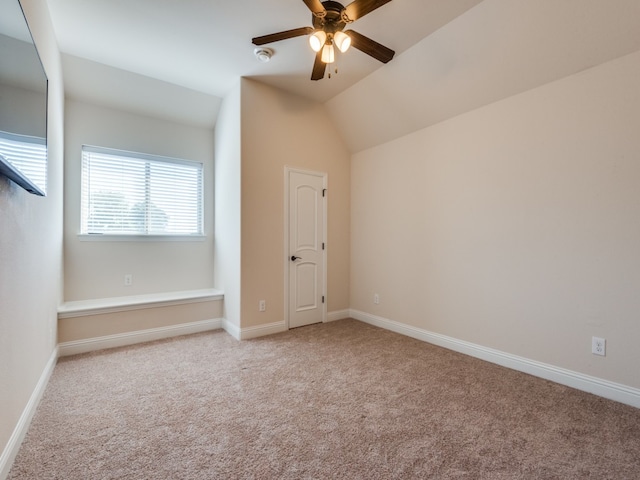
85 237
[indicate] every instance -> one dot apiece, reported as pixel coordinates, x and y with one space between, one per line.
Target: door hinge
324 192
322 298
323 245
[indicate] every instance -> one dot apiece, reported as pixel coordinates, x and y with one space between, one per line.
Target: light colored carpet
339 400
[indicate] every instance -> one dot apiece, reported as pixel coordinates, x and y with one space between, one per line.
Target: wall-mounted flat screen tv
23 103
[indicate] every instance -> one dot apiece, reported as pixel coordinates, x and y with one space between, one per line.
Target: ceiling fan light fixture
317 40
328 54
327 32
342 41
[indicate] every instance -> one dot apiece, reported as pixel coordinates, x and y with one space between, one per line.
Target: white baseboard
231 328
597 386
129 338
276 327
13 445
271 328
262 330
337 315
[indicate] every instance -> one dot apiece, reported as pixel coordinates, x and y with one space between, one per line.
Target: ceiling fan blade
316 7
359 8
318 67
276 37
370 47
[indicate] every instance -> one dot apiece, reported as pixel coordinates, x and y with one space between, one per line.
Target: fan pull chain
336 64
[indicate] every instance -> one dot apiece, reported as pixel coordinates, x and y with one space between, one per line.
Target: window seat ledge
99 306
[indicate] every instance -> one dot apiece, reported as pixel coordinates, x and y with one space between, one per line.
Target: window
125 193
28 154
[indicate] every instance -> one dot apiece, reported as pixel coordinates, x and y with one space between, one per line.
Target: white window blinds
28 154
126 193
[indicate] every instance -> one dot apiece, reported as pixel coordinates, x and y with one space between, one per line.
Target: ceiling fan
329 20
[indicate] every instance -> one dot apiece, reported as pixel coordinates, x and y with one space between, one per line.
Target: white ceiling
205 45
451 55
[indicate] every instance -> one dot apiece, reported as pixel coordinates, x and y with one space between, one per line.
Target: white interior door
306 247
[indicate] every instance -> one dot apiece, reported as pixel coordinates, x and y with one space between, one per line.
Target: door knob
294 258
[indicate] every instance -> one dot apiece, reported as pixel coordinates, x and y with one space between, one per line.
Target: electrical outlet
598 346
128 280
262 306
376 298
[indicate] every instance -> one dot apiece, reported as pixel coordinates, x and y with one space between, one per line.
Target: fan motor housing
332 21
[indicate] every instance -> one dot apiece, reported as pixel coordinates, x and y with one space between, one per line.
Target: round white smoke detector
263 54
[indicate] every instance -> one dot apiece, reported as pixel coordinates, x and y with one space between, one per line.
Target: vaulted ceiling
451 56
206 45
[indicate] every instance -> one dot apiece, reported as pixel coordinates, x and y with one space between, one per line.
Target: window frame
155 236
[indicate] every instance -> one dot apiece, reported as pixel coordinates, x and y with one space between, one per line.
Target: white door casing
305 254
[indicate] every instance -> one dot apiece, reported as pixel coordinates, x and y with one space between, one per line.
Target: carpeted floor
340 400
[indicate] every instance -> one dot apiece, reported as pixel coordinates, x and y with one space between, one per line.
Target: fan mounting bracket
333 19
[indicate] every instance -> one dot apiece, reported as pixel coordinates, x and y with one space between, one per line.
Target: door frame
287 171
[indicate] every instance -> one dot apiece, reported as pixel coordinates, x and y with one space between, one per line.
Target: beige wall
31 253
281 129
96 269
514 226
